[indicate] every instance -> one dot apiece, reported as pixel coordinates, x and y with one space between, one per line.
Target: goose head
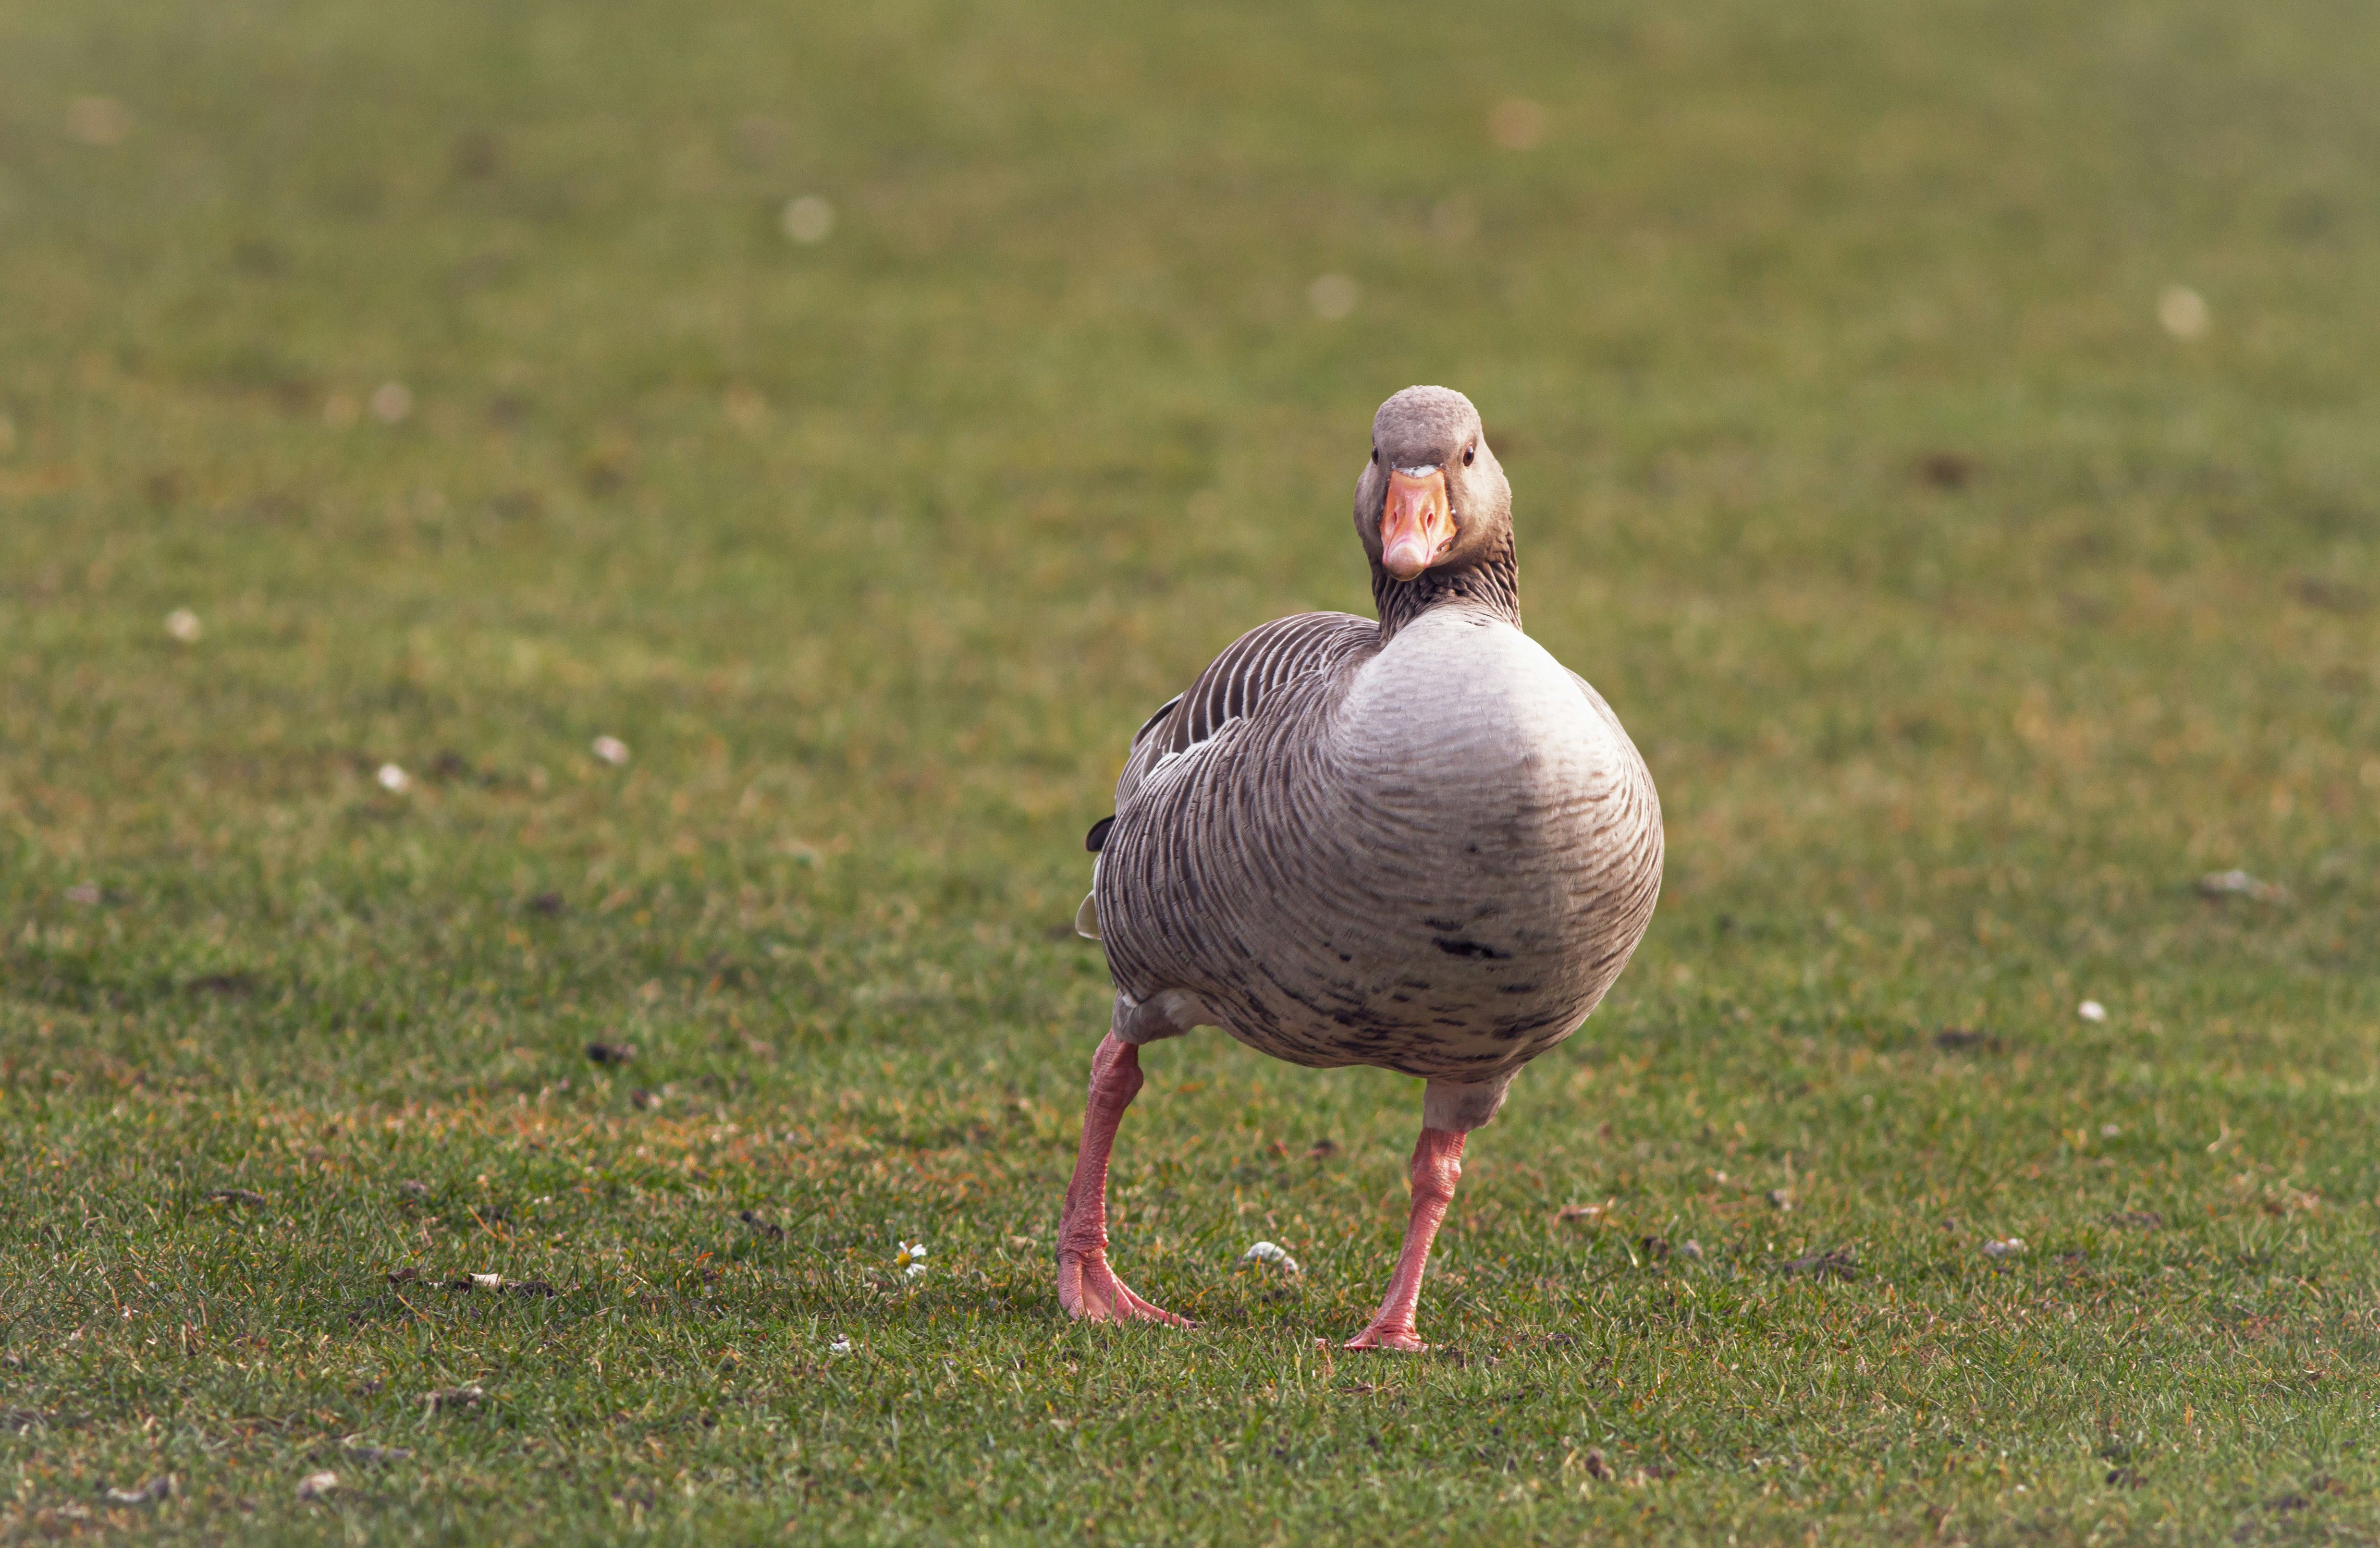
1432 497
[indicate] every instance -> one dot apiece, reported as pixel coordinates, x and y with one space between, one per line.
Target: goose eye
1375 455
1469 453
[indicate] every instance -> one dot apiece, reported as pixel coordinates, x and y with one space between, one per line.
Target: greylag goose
1420 843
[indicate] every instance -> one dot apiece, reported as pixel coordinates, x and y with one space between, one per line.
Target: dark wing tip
1098 836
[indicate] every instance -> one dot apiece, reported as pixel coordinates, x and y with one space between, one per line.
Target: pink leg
1086 1286
1436 1167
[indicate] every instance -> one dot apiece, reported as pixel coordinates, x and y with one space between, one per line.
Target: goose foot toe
1386 1336
1090 1291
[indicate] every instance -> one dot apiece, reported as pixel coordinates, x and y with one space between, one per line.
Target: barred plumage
1444 887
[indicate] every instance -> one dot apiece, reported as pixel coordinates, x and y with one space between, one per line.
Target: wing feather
1237 683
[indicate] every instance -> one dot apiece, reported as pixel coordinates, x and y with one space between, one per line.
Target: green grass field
1971 589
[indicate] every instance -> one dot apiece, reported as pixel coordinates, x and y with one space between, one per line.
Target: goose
1418 843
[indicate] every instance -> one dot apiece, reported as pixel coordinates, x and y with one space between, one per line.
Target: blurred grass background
1944 432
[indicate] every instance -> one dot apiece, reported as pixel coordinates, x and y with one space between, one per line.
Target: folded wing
1237 684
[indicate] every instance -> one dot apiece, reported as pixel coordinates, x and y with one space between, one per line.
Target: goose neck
1493 584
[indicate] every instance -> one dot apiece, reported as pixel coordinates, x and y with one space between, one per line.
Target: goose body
1418 843
1431 854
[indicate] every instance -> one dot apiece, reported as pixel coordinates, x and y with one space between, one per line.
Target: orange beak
1417 523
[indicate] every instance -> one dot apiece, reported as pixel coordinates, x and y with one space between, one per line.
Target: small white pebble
391 402
183 624
1332 297
313 1486
487 1281
839 1347
808 220
2008 1247
612 750
394 780
2224 884
2182 311
2092 1011
1268 1252
148 1494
